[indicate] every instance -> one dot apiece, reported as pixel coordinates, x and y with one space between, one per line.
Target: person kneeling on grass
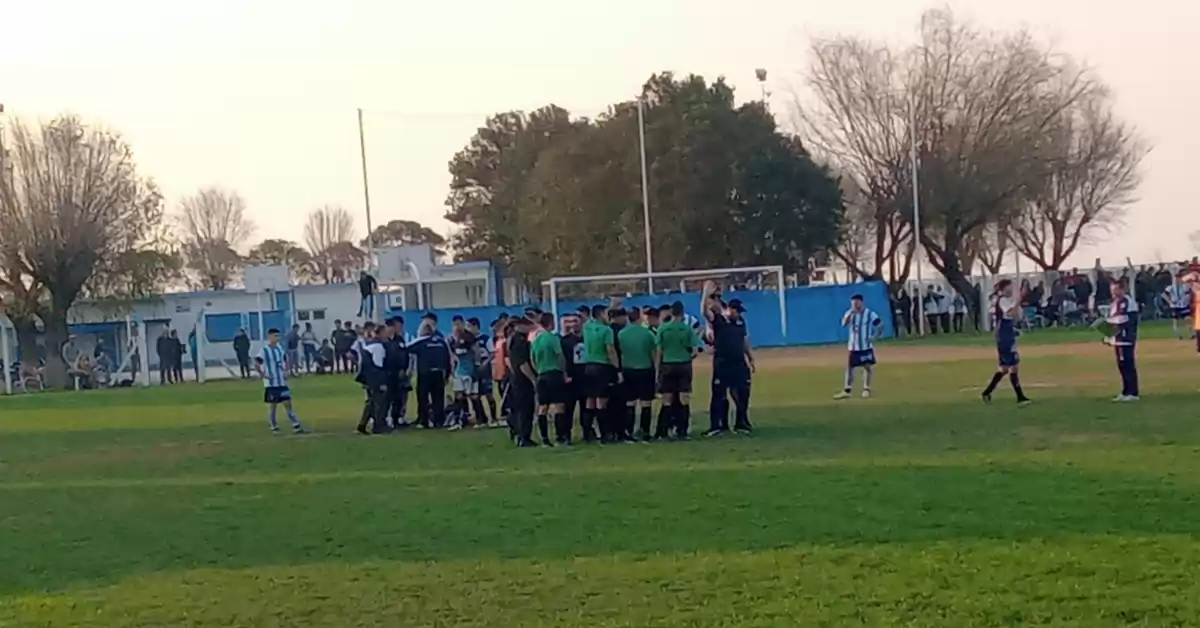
272 367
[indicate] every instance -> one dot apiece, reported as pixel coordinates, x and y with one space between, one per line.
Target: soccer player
273 369
622 425
1006 309
673 361
1123 315
484 350
637 344
1178 298
464 350
600 359
650 315
373 375
551 367
397 366
864 326
573 351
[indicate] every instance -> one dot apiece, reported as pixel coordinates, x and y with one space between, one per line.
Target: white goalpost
554 284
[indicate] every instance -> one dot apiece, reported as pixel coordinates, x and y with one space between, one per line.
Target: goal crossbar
553 283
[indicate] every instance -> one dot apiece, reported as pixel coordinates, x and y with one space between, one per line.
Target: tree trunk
56 337
27 345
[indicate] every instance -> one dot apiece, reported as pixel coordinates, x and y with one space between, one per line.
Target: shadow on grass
57 538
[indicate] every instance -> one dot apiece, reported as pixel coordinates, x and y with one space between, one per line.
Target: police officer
432 353
733 364
372 374
397 364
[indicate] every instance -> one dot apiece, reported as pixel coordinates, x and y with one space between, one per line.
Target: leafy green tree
405 233
280 252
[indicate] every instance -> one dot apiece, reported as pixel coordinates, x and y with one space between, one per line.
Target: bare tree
983 104
857 121
329 236
72 204
990 244
1096 172
214 225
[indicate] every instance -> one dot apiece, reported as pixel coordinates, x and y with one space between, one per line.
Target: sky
260 96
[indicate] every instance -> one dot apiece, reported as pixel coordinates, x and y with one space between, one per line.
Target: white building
220 313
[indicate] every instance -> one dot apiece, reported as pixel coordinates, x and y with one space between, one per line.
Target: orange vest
1196 306
498 366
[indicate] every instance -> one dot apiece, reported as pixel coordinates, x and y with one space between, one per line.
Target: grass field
921 507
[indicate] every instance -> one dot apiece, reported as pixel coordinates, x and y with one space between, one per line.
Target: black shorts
676 378
551 388
731 374
276 394
865 357
597 380
639 384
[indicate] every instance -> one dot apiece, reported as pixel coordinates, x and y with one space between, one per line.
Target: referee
733 364
521 383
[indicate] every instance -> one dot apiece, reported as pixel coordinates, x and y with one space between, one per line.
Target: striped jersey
1123 313
274 366
1178 296
862 326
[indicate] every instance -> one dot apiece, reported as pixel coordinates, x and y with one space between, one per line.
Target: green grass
919 507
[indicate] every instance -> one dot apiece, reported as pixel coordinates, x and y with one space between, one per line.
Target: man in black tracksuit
572 347
521 383
432 353
397 363
372 374
733 364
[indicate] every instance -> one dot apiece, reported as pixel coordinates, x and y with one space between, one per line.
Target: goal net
760 288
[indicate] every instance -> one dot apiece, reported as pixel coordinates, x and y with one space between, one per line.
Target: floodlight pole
4 363
645 190
916 198
362 149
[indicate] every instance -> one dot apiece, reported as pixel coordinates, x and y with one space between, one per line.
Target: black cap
429 316
736 305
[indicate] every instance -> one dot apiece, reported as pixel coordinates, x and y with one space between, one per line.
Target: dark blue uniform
731 374
1124 315
397 365
1006 333
432 354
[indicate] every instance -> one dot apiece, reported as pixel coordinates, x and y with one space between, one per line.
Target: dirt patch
790 357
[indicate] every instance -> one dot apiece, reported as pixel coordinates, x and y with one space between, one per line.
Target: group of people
600 368
1120 331
170 350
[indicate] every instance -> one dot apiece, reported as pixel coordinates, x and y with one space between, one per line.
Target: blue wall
813 313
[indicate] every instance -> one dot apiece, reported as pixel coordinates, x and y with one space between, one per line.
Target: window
303 315
474 294
318 315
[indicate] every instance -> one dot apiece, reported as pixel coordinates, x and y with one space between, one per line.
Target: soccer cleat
845 394
1021 403
454 428
299 429
714 432
1120 398
987 398
866 393
743 430
274 429
362 430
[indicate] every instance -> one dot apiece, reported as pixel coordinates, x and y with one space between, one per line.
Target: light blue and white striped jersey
1179 296
862 328
274 367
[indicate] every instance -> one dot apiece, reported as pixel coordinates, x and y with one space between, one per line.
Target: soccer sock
562 427
271 416
991 387
685 418
849 379
477 406
645 420
1015 380
664 421
491 407
586 422
630 413
543 427
291 415
868 372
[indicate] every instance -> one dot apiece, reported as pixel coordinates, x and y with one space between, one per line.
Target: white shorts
465 384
